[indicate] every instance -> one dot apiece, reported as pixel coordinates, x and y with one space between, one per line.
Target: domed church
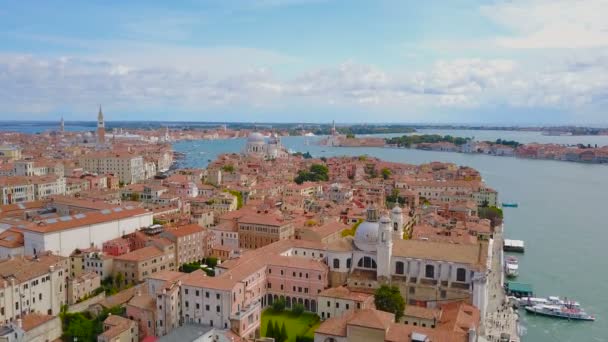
271 149
426 272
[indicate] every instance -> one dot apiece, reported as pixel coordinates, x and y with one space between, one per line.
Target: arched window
396 226
461 274
367 262
429 271
399 267
336 263
348 262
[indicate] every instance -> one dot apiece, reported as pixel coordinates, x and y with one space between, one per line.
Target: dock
513 246
519 290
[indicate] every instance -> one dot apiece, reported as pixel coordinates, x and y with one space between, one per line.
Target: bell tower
385 247
101 128
397 222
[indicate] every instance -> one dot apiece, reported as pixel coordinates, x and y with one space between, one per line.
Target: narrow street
500 318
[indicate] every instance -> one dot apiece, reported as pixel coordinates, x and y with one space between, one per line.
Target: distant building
101 128
257 146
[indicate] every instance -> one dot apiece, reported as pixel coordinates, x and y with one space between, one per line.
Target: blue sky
464 61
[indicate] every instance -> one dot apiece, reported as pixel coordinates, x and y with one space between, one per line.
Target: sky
518 62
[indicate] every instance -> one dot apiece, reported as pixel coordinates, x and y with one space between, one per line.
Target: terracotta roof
141 254
11 238
25 268
32 320
475 254
372 318
421 312
184 230
344 293
143 301
84 219
117 325
266 220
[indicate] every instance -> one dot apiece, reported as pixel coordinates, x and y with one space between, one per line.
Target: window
217 308
337 305
186 291
399 267
461 274
347 306
429 271
207 294
367 262
348 262
336 263
217 296
206 307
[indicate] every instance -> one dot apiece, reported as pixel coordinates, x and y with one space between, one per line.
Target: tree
278 305
269 329
494 214
298 309
134 197
118 280
350 136
211 261
386 173
228 168
389 299
284 336
277 332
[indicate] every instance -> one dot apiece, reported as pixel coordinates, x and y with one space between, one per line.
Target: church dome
397 210
255 137
366 236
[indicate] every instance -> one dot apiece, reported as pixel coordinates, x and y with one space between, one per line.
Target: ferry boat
511 267
560 311
551 300
510 204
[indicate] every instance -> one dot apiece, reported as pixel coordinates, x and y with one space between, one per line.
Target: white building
129 168
65 234
257 146
32 285
20 189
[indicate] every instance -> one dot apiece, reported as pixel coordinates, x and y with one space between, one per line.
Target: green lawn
305 324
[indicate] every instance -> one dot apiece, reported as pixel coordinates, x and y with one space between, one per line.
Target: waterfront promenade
500 318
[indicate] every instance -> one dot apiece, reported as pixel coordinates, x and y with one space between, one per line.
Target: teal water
561 216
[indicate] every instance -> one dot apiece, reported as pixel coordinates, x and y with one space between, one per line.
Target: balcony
244 312
425 281
461 286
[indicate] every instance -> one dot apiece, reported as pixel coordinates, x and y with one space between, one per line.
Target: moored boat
560 311
511 267
510 204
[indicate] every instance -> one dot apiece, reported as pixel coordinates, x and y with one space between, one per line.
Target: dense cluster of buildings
81 211
572 153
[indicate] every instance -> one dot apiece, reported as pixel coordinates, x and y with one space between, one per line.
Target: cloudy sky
456 61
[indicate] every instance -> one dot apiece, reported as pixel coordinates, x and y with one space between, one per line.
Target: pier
513 245
501 320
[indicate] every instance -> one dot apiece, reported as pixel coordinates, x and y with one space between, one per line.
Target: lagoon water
562 217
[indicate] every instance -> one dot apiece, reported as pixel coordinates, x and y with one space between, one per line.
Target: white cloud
551 23
35 85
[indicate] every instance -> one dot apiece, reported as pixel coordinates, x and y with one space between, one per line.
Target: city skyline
482 62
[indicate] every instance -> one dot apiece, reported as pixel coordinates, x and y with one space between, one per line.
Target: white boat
560 311
511 267
551 300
